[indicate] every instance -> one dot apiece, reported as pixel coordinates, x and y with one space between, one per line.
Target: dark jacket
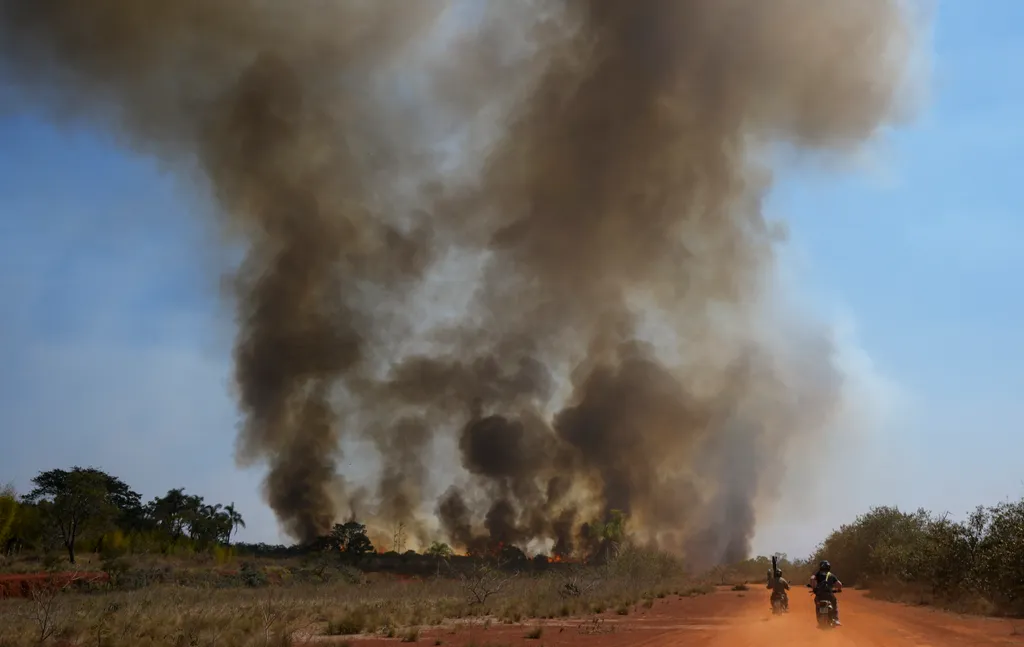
825 584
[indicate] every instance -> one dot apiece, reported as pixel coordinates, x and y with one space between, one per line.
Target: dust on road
866 623
732 619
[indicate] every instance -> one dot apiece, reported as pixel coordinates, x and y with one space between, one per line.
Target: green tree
8 514
1002 566
235 518
76 502
609 535
27 529
127 501
172 512
178 515
350 538
208 524
974 560
440 550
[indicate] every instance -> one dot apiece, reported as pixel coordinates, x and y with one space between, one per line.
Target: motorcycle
779 606
780 602
824 612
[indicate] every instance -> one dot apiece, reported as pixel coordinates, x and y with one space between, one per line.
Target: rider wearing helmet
825 585
779 586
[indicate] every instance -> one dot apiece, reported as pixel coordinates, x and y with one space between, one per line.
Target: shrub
975 563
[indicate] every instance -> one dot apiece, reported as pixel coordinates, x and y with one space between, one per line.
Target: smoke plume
600 222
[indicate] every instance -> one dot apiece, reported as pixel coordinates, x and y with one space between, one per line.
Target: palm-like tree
235 517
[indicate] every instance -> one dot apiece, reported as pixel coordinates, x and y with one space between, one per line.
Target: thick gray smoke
615 353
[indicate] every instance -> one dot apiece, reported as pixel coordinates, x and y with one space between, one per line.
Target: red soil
21 585
730 619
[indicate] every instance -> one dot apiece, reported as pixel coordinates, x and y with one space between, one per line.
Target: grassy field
285 602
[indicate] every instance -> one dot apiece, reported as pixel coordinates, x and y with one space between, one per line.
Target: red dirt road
866 623
729 619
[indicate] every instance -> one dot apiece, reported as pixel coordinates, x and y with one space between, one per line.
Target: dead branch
484 582
578 582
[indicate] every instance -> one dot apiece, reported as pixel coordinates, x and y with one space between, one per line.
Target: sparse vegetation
165 573
293 602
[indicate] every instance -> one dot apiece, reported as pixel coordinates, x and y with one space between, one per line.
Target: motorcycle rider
779 586
825 584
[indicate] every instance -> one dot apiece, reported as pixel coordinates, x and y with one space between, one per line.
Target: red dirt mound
21 585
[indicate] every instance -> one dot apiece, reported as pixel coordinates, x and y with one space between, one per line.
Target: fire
565 559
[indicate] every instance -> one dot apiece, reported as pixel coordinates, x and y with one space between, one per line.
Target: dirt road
866 623
731 619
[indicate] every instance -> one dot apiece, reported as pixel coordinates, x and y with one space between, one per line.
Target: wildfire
565 559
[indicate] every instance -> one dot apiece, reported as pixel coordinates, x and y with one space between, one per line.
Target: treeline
756 569
601 540
973 565
976 564
88 509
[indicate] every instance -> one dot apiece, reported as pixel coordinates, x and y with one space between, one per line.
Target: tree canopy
67 507
79 501
351 539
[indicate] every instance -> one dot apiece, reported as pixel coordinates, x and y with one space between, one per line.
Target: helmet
778 573
825 566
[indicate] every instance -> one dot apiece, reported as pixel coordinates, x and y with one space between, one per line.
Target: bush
411 636
252 576
974 564
350 623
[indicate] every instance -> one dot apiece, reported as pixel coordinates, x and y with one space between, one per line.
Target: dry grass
278 604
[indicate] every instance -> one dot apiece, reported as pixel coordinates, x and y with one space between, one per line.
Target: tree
440 550
178 515
27 529
77 501
127 501
208 524
350 538
8 513
509 554
608 535
1002 567
171 513
482 582
398 541
235 518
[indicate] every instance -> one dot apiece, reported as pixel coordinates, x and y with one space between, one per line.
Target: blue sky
116 346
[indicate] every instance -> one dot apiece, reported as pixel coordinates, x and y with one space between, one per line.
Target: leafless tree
484 581
47 610
578 581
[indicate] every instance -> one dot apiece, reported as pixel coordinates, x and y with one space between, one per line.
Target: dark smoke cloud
615 353
266 99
